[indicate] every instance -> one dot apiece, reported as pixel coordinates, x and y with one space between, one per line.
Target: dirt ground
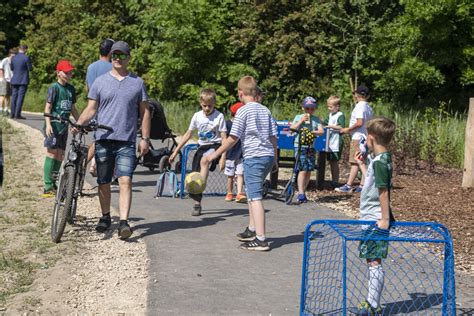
86 273
421 195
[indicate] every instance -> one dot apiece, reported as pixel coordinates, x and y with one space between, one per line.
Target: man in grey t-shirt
116 97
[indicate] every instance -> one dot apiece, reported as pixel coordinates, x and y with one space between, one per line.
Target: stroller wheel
164 163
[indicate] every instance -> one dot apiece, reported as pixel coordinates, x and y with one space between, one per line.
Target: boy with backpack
211 128
60 101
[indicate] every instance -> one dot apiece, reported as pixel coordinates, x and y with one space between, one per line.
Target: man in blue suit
21 66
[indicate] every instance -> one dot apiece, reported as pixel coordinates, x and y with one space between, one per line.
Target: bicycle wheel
62 203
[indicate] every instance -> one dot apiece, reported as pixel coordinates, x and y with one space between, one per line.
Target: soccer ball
195 183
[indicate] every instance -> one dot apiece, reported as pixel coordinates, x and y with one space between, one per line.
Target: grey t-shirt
118 103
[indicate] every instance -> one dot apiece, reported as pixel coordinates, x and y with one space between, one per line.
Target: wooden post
468 172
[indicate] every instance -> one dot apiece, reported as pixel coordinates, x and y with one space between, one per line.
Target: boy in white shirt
358 129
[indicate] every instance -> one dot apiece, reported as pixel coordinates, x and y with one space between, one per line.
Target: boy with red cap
234 164
60 101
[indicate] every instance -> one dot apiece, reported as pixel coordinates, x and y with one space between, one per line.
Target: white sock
252 229
261 238
376 279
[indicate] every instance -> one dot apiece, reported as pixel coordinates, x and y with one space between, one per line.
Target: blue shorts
307 159
115 155
256 170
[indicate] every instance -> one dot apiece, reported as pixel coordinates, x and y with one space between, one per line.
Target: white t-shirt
7 70
362 111
209 127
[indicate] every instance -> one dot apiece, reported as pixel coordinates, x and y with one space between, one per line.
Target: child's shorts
307 159
234 167
353 150
256 170
374 249
56 141
202 151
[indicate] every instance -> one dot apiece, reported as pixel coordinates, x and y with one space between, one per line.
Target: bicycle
71 179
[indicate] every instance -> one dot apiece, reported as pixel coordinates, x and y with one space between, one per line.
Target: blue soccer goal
419 268
216 182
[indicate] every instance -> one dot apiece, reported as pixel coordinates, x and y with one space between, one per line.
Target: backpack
167 185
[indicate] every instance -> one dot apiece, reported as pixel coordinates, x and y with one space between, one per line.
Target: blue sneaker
344 189
358 189
302 198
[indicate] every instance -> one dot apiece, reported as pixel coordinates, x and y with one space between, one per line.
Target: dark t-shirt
236 151
62 98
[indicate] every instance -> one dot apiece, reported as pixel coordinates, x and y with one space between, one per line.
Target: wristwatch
147 139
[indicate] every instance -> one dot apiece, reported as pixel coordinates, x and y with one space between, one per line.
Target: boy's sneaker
48 194
103 224
302 198
247 235
229 197
365 309
241 198
124 230
358 189
344 189
256 245
196 210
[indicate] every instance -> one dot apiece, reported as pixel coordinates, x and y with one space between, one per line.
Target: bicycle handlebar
87 127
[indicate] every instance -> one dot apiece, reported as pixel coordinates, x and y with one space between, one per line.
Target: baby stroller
158 158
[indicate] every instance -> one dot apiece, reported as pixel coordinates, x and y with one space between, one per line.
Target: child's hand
359 158
49 130
383 224
344 130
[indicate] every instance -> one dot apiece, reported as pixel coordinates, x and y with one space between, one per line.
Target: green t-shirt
379 175
313 125
62 98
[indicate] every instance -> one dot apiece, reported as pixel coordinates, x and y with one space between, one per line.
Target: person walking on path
116 98
95 70
6 75
21 67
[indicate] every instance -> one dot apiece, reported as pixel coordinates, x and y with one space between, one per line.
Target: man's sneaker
256 245
229 197
365 309
124 230
48 194
358 189
196 210
344 189
103 224
241 198
247 235
302 198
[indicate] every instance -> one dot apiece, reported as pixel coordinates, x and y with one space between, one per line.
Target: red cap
64 65
235 107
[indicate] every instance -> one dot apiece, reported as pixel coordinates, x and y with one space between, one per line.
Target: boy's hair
207 95
382 129
248 85
23 47
334 99
105 46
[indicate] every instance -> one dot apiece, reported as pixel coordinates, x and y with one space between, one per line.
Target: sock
252 229
106 215
261 238
123 222
376 280
48 173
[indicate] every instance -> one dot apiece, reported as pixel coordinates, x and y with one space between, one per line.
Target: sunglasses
119 56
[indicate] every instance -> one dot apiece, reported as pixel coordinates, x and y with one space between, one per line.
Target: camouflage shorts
374 249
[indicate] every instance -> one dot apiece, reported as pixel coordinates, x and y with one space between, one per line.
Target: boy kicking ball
256 128
211 128
375 205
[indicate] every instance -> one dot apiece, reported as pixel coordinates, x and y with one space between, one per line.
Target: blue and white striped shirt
254 125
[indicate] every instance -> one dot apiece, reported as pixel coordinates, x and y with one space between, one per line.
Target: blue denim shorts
113 155
256 170
307 159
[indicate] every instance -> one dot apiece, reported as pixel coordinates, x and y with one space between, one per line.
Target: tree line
413 54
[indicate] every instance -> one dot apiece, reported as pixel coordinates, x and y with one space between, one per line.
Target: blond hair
248 85
334 99
207 96
382 129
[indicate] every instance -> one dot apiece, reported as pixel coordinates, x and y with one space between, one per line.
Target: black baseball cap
362 90
121 46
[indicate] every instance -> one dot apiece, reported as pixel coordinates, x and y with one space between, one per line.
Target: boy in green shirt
60 101
375 206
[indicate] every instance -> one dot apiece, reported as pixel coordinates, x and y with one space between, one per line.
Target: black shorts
56 141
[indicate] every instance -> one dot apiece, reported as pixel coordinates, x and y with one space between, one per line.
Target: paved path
196 266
